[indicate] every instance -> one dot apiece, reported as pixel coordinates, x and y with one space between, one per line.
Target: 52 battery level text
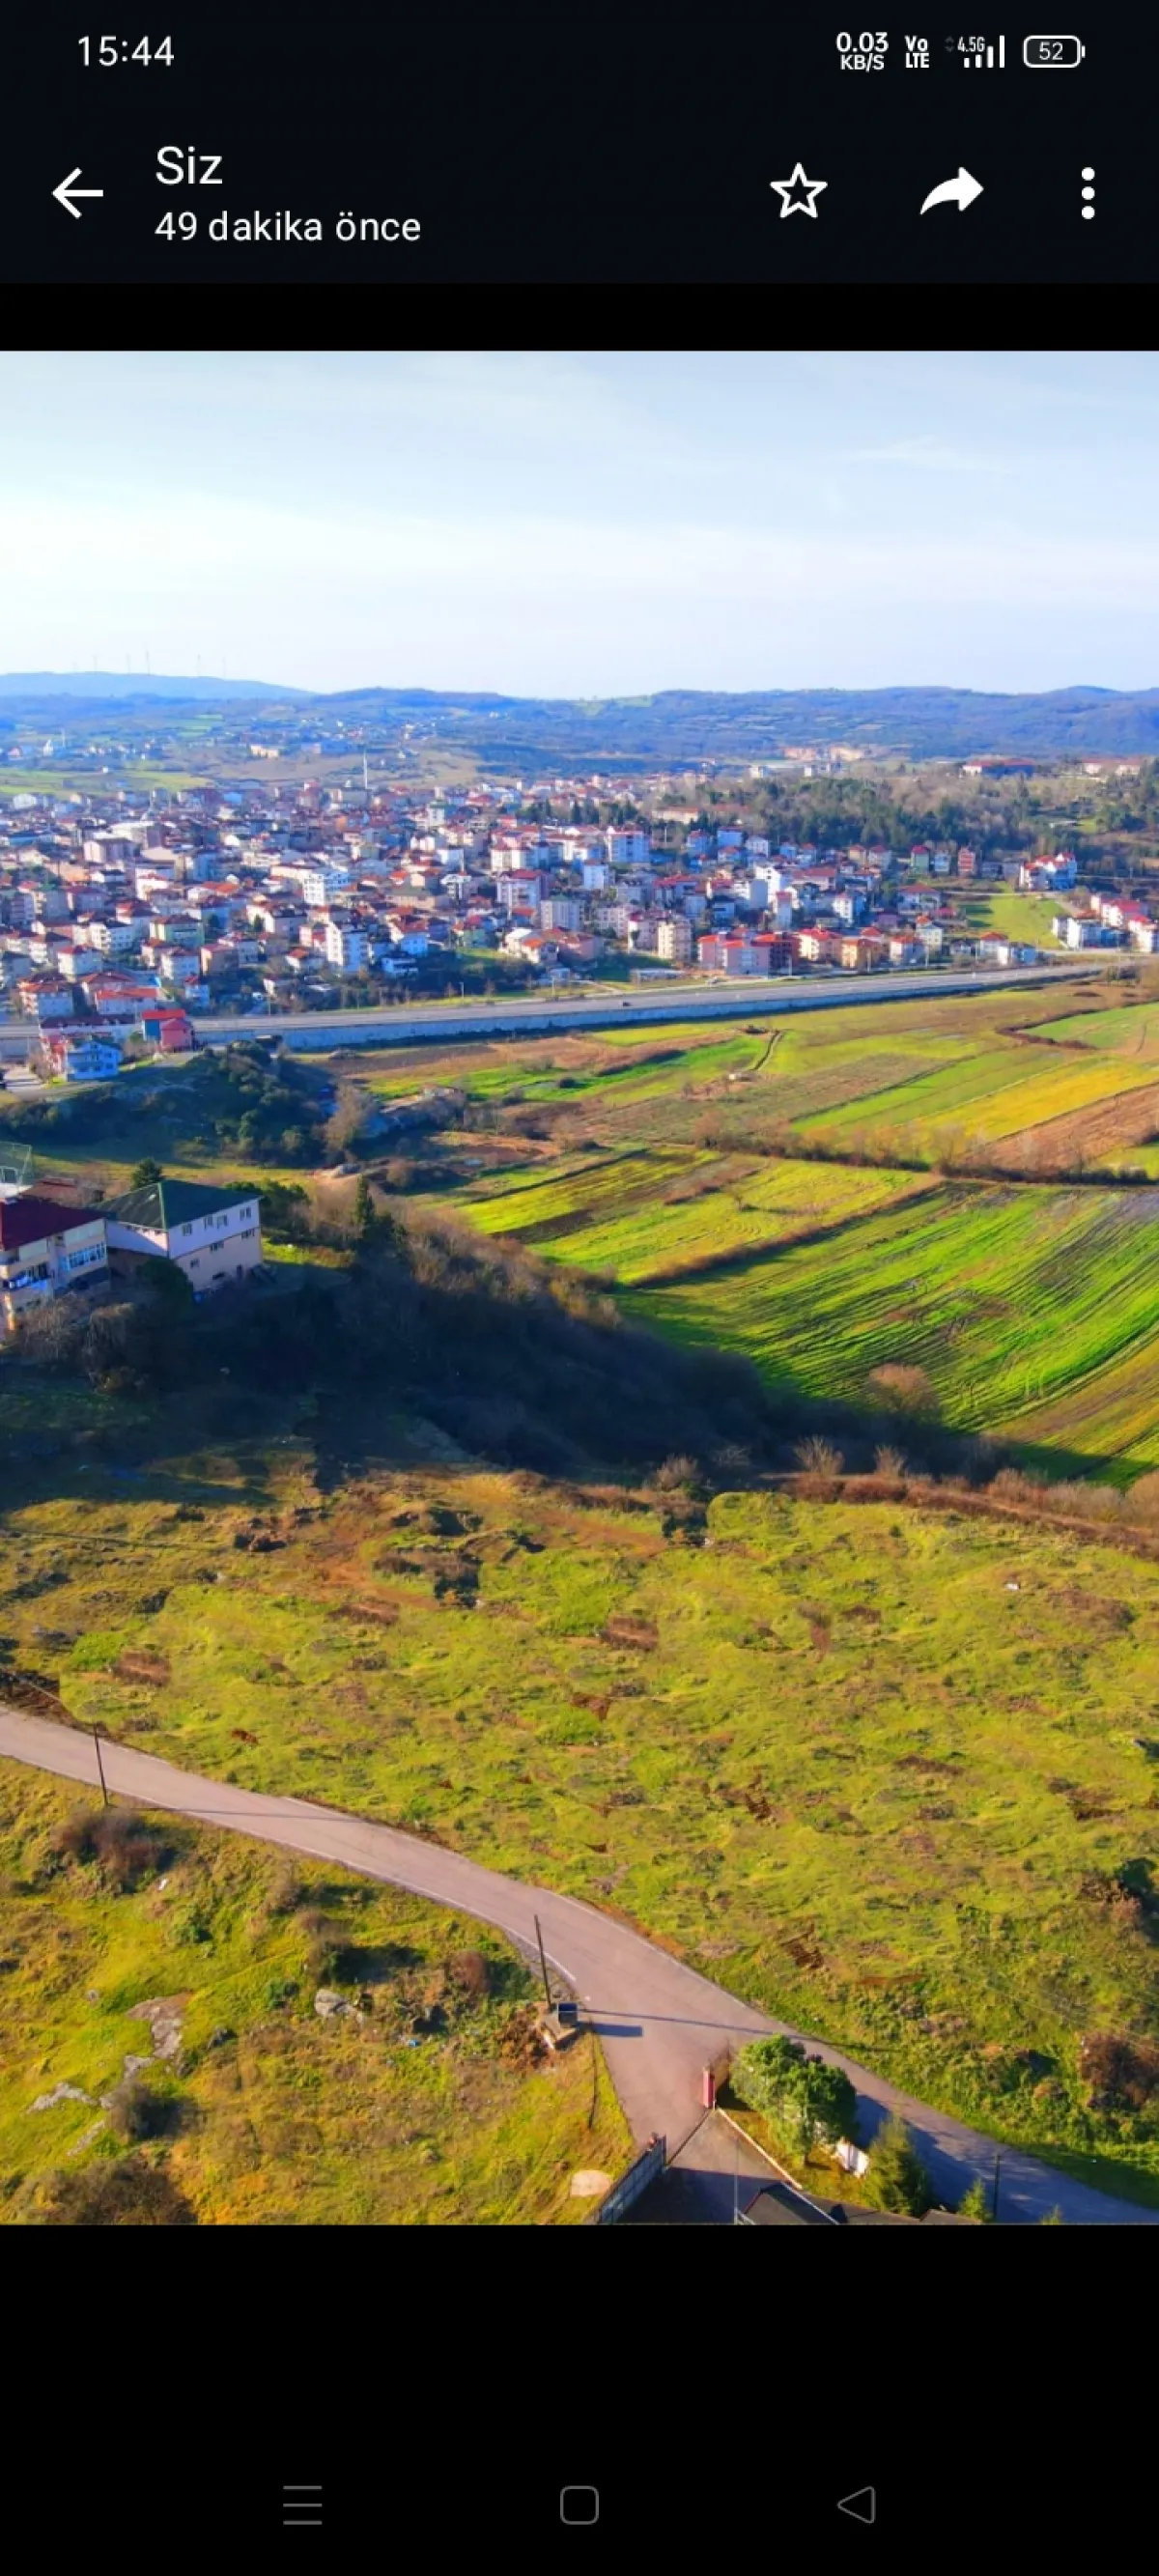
107 53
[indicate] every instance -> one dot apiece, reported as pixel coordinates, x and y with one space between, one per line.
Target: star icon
798 195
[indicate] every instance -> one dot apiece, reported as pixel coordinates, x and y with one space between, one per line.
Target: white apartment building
347 949
674 940
628 849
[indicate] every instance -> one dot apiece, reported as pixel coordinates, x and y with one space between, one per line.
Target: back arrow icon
960 192
66 192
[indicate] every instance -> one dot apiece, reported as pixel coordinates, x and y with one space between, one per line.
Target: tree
1053 2218
364 1216
345 1119
171 1285
763 2072
906 1389
897 2179
145 1175
801 2093
823 2104
975 2203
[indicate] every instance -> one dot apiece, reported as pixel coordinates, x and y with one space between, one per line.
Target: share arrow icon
66 192
959 192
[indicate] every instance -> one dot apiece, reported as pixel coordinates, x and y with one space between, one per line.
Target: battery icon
1052 53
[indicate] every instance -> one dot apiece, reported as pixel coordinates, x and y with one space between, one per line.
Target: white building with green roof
212 1233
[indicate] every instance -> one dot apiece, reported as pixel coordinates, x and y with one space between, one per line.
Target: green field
416 2108
833 1757
647 1215
1004 1297
1019 916
1132 1031
1034 1311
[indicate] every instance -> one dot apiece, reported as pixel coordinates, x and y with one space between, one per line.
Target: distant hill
684 725
129 688
676 728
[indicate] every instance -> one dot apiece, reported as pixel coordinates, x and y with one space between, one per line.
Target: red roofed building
47 1250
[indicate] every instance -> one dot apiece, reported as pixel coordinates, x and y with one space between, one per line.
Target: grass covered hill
884 1768
162 2060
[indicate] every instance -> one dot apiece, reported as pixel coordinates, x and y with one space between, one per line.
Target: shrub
137 2112
1143 1498
325 1946
975 2203
889 1462
897 2179
287 1892
808 2097
677 1475
125 1847
472 1972
905 1390
1120 2074
129 2193
819 1457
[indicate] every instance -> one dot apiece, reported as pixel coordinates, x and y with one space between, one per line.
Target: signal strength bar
989 61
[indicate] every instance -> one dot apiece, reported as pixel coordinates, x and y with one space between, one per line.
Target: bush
891 1463
287 1892
137 2112
677 1475
1120 2074
975 2203
819 1457
897 2179
129 2193
325 1947
472 1972
803 2094
905 1390
125 1847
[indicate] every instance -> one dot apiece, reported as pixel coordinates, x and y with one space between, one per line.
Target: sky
584 523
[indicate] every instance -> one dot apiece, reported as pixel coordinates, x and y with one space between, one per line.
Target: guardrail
630 2185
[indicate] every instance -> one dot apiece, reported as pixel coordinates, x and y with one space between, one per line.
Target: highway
400 1024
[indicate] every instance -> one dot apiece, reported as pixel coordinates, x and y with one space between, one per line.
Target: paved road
716 2172
398 1024
659 2022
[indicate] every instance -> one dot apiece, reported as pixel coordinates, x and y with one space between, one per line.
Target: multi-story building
213 1235
346 948
46 1251
674 940
628 849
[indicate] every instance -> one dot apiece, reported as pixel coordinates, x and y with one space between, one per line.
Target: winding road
659 2022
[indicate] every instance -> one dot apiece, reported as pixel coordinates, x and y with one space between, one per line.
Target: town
125 915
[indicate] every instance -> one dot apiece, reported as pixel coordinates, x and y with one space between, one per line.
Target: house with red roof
46 1251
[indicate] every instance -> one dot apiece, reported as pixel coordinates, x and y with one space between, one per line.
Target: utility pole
543 1964
100 1765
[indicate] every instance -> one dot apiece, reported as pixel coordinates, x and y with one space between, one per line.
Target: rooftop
29 1219
164 1204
